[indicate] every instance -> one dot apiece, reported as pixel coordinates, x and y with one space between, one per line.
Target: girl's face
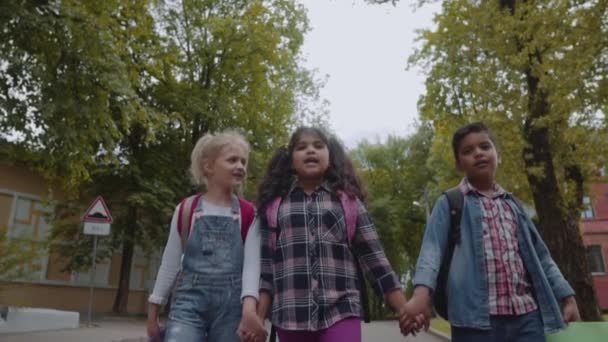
477 157
229 169
310 157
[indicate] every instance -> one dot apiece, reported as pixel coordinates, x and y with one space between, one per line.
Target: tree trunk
558 223
122 295
558 227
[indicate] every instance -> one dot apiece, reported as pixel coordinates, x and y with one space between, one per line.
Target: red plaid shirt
510 292
311 272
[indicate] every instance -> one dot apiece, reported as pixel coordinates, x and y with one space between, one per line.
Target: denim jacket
467 287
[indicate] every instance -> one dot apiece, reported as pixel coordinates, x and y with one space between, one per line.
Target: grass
443 326
440 325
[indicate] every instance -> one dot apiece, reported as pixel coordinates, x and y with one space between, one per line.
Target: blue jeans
205 310
522 328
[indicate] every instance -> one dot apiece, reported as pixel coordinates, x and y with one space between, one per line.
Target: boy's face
229 168
477 157
310 156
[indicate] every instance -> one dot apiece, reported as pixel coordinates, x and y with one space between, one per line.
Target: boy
503 284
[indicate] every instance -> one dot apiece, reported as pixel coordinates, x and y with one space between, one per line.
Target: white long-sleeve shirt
172 257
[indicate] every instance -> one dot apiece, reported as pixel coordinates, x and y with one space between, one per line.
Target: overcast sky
363 49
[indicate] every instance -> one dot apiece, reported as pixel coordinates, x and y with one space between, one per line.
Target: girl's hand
570 310
411 322
152 324
153 330
251 328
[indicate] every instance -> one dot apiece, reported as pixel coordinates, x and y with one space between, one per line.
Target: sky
363 49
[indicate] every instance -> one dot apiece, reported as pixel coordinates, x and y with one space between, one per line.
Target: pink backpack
349 205
186 210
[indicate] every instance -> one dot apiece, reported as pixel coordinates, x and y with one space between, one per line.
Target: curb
439 334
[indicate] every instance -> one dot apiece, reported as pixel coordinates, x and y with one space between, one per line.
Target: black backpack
440 296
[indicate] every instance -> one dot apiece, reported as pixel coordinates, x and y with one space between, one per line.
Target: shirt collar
466 187
323 186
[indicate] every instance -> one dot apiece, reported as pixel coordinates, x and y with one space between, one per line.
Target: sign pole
97 220
91 293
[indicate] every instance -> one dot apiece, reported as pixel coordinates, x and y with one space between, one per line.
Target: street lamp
425 204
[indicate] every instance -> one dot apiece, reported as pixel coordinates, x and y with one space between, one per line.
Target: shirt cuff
250 294
388 282
157 300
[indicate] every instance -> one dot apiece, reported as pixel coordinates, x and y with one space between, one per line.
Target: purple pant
348 329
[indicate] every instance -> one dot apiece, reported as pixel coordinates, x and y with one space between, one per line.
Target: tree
115 94
396 175
536 72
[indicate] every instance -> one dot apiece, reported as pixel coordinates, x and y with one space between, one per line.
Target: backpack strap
350 207
184 219
247 216
455 199
272 217
272 212
351 211
455 202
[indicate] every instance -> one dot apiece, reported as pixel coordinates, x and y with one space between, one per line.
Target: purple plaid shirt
311 274
510 292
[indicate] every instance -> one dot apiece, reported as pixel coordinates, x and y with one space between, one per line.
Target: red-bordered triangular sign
98 212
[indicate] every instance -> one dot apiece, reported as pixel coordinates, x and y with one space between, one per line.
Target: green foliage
396 175
113 95
18 258
476 63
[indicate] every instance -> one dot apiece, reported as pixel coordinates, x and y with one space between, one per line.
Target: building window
102 275
27 225
587 212
595 259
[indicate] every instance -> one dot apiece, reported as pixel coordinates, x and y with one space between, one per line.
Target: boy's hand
570 310
417 313
410 323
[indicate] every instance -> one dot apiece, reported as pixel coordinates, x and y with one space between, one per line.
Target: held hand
416 313
410 322
251 328
407 323
570 310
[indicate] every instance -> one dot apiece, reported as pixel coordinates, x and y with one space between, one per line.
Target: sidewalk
112 329
121 329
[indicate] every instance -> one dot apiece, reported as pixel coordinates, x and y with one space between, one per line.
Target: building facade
23 216
594 225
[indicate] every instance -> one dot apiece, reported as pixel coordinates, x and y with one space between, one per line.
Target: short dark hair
462 132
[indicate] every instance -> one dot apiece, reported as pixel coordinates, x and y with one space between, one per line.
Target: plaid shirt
510 292
311 274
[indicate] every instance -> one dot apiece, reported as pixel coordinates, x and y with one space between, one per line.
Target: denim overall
207 304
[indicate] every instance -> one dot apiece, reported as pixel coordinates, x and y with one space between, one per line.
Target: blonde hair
207 149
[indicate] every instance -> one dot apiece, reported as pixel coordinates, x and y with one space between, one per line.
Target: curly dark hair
280 175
